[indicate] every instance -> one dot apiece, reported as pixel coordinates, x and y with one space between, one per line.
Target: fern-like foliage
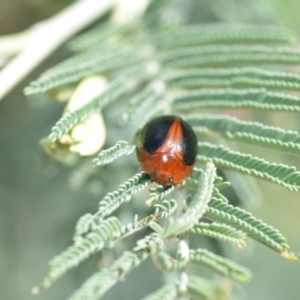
162 259
100 282
113 200
223 54
157 193
232 77
168 292
99 34
67 122
231 98
198 288
253 227
84 65
109 155
166 208
93 242
223 33
226 158
170 68
249 132
145 98
219 264
221 231
197 206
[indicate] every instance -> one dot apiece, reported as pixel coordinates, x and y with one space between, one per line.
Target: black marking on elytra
189 143
155 133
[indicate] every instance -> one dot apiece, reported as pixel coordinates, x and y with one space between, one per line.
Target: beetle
166 148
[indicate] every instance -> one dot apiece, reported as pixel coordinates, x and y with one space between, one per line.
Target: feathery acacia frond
83 226
163 261
197 206
222 54
154 7
231 98
147 242
146 97
223 33
202 197
256 229
166 208
194 179
98 34
90 222
113 200
251 132
167 292
101 282
218 264
197 173
70 258
152 58
232 77
110 203
225 158
220 231
157 193
137 225
113 91
78 67
107 156
201 289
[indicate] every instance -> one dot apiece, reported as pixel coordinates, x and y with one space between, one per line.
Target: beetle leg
153 175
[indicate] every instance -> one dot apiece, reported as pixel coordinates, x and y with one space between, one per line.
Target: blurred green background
40 200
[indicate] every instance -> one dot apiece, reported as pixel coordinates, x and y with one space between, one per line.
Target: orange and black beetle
167 149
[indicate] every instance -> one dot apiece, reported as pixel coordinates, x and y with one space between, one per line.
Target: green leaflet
99 34
164 262
147 242
193 182
107 156
167 292
113 200
196 176
197 206
220 231
251 132
166 208
70 258
101 282
245 163
159 192
83 65
164 211
256 229
137 104
201 289
223 33
109 203
218 264
231 98
154 7
67 122
90 222
232 77
83 226
221 54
